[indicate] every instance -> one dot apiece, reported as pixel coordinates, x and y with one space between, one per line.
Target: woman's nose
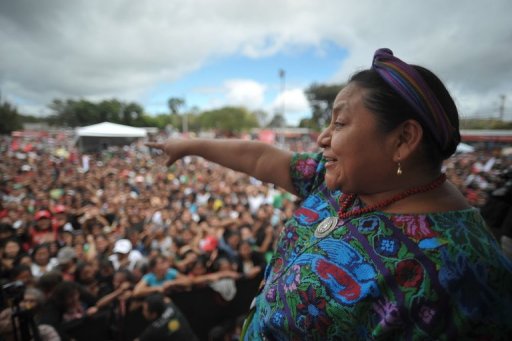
323 139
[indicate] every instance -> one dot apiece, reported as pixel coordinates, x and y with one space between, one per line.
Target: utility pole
502 106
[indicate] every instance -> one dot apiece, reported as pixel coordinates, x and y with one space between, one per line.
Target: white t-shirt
133 258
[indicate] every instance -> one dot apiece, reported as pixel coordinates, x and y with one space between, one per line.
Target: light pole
502 106
282 76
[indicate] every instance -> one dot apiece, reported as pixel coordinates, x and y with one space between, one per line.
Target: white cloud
93 48
295 105
293 101
243 92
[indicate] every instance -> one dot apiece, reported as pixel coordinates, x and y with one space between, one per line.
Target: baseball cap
208 244
122 246
42 214
59 209
66 254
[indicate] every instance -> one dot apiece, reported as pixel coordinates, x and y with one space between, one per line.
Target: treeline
76 113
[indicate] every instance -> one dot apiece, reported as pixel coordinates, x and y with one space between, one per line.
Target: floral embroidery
368 224
381 275
387 246
306 167
429 315
312 307
278 319
271 294
415 226
290 236
389 314
409 273
291 279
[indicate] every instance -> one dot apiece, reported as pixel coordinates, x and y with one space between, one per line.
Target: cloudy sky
229 52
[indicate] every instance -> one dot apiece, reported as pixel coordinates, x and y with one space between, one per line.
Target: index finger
155 145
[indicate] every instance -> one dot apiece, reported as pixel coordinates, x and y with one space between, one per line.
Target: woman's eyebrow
339 106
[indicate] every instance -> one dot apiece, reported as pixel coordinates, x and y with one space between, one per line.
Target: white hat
122 246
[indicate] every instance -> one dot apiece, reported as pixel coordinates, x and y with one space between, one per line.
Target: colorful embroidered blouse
381 275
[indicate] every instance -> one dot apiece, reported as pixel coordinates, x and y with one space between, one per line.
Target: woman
41 261
161 278
65 309
382 246
249 262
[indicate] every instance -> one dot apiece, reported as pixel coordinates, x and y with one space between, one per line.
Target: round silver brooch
326 227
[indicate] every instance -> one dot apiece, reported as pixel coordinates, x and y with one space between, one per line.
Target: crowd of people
121 226
114 232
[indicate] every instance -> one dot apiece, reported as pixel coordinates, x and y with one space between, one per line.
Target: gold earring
399 169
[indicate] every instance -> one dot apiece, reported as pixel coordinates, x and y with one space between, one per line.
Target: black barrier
205 308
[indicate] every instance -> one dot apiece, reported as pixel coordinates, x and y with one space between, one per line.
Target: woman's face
161 267
42 256
356 152
29 301
44 223
11 249
88 275
101 244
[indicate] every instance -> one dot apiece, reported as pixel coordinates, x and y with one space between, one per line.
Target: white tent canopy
464 148
107 129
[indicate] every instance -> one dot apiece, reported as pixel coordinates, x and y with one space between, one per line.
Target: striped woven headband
409 84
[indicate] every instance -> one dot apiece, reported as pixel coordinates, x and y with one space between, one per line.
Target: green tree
478 123
10 118
178 121
228 119
174 104
76 113
321 98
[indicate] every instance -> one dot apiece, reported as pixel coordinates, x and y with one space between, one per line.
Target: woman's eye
338 125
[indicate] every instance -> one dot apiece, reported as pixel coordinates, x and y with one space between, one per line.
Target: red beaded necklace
346 200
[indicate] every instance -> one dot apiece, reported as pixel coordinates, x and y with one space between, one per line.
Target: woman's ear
408 139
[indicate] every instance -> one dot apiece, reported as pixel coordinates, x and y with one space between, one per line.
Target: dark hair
62 292
128 275
391 109
14 240
4 227
155 259
48 281
156 303
38 247
19 269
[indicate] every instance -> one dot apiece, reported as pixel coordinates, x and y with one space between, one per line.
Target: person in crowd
48 282
27 317
11 252
41 261
42 231
250 263
124 257
382 245
22 273
67 263
6 232
161 278
167 322
65 309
